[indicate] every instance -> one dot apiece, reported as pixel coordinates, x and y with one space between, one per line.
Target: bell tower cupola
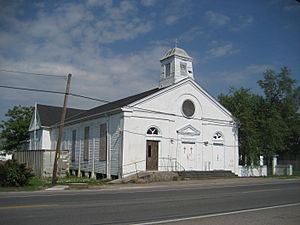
176 65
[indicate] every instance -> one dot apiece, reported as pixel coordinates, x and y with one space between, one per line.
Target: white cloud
172 19
176 10
216 19
103 77
220 49
148 2
243 22
192 34
242 76
71 38
295 7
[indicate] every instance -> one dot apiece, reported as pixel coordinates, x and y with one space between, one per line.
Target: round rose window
188 108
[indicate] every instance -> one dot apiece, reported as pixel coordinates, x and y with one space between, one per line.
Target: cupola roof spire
176 65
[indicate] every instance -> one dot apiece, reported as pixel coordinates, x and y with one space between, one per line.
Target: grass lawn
34 185
44 183
296 174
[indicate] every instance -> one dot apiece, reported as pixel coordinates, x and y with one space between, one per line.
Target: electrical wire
31 89
30 73
52 92
177 140
90 98
214 121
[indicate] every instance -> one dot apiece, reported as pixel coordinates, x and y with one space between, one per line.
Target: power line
30 73
206 143
90 98
105 101
53 92
31 89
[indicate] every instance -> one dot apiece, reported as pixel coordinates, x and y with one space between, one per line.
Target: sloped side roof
113 105
50 115
178 52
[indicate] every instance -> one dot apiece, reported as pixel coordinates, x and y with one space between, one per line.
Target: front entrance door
218 154
187 155
152 155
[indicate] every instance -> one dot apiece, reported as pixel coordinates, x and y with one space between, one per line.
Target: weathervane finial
176 42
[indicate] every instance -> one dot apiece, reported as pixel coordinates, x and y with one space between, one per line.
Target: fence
290 158
252 171
283 170
41 161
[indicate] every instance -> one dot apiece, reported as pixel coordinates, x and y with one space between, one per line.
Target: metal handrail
136 171
180 166
169 164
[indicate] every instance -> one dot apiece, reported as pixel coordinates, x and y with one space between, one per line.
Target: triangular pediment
35 123
188 130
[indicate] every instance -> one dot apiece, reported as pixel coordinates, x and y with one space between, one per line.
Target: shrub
14 174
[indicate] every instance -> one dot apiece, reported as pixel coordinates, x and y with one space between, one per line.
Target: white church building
173 127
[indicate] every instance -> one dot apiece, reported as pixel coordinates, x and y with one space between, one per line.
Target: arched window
152 131
218 137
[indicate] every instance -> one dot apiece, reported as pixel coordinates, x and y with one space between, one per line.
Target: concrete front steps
214 174
147 177
158 176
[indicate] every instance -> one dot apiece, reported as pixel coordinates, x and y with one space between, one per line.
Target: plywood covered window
183 69
103 142
73 144
86 143
168 70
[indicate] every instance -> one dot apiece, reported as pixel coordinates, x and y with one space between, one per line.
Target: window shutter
86 143
103 142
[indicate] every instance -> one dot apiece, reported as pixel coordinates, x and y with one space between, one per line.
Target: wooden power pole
61 130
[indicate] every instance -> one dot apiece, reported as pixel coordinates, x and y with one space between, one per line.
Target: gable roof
197 86
50 115
112 105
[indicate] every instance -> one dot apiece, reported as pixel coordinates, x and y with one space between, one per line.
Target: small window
218 137
149 151
183 69
188 108
152 131
168 70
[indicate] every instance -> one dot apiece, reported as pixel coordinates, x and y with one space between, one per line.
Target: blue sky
113 48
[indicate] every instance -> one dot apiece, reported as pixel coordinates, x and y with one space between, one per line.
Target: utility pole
61 130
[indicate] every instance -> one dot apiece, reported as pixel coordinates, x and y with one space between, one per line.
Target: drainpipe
121 135
34 131
108 161
79 166
93 162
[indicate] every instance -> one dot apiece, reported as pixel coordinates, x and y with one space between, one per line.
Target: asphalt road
274 202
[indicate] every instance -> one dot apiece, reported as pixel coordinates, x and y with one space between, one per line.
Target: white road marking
218 214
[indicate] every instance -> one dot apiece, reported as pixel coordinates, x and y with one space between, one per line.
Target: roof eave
91 117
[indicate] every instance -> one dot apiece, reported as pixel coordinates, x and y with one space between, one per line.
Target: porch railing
165 164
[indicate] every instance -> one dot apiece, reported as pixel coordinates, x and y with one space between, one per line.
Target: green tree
15 129
280 121
245 106
269 124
